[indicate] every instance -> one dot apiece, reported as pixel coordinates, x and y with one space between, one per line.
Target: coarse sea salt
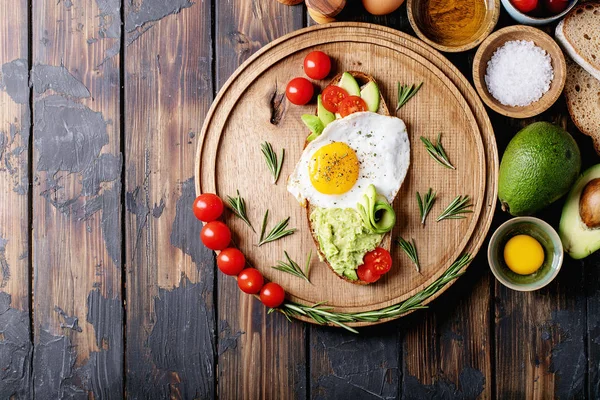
519 73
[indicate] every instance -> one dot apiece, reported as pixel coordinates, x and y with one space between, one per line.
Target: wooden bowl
417 15
541 39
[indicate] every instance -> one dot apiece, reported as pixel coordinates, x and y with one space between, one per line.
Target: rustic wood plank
15 341
345 365
592 283
541 336
76 200
447 348
540 346
260 355
170 313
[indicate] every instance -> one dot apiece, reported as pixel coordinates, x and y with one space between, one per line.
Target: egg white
382 148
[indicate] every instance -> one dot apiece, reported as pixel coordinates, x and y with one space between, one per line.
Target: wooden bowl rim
491 24
559 66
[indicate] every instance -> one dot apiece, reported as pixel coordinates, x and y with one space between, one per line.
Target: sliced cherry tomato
250 281
215 235
379 260
557 6
299 91
272 295
208 207
231 261
525 6
317 65
332 96
367 274
351 104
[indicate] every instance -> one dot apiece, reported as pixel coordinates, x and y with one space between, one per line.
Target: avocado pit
589 204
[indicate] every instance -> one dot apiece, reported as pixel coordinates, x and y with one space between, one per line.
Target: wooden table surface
105 288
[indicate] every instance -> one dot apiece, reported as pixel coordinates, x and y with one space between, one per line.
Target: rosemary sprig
273 163
405 93
425 203
437 151
410 250
277 232
456 208
322 314
291 267
238 206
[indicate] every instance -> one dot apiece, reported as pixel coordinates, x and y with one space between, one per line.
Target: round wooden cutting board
248 112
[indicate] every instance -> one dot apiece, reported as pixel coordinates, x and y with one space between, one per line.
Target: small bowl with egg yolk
525 254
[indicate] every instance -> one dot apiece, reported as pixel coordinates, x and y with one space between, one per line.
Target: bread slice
578 34
582 92
386 242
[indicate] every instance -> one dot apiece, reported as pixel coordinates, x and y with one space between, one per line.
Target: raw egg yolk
523 254
333 169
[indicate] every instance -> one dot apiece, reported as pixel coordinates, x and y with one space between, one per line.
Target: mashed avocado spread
343 238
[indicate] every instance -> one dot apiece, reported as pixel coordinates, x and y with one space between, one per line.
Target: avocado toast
338 228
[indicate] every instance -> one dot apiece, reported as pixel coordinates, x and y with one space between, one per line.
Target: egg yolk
523 254
333 169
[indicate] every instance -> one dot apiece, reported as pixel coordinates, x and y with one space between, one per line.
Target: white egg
382 149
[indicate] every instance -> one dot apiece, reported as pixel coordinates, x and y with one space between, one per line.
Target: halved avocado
370 94
348 83
580 221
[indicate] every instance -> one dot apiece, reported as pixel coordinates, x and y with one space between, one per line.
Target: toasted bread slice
386 242
582 92
578 35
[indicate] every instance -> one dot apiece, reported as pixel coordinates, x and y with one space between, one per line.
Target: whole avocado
538 167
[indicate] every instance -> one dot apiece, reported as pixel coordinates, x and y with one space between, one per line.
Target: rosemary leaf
326 316
264 226
425 203
410 250
279 231
273 163
405 93
238 206
456 208
292 267
437 152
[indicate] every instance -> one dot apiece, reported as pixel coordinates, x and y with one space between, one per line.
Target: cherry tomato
208 207
250 281
215 235
272 295
525 6
332 96
557 6
379 260
352 104
231 261
367 274
299 91
317 65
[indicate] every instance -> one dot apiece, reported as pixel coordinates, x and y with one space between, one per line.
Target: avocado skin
538 167
578 240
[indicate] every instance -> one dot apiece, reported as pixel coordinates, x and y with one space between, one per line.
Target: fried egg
350 154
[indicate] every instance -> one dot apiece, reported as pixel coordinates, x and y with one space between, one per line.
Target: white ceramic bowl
544 234
528 20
